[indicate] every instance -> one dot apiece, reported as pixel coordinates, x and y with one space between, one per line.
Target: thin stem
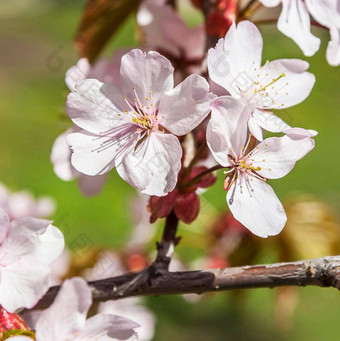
245 9
200 175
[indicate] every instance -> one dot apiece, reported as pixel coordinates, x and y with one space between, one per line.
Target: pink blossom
27 247
105 70
235 64
65 319
22 203
134 130
250 199
294 22
165 31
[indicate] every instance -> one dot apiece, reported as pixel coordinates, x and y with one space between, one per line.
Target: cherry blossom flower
294 22
22 203
235 64
134 130
66 320
165 31
250 199
27 247
105 70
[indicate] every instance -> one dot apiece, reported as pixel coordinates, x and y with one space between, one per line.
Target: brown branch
323 272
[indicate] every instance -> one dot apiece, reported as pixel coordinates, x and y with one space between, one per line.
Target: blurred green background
36 50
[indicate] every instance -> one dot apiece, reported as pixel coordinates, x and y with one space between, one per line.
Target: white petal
227 128
269 121
96 106
254 128
276 156
61 157
333 48
96 155
256 206
153 167
300 133
294 22
4 225
77 73
23 283
270 3
105 327
325 12
228 64
91 185
23 239
185 106
284 83
65 318
146 72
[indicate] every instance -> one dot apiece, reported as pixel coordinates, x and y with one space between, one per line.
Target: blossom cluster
137 122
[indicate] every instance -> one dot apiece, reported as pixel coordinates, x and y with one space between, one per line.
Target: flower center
145 117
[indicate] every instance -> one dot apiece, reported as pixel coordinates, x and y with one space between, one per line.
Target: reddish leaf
187 207
160 207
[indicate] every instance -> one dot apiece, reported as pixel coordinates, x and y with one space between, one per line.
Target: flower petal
91 185
256 206
294 22
77 73
147 72
227 128
61 157
228 64
333 48
95 106
105 327
96 155
269 121
153 167
4 225
186 106
276 156
284 83
23 283
65 318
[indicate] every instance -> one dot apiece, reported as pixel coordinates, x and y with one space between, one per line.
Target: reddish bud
160 207
187 207
10 321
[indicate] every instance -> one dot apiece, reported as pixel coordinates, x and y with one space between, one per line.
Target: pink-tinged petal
45 207
325 12
185 106
22 239
269 121
147 72
96 107
151 17
61 157
105 327
254 128
153 167
256 206
65 318
77 73
228 64
284 83
23 283
132 308
91 185
96 155
21 338
300 133
294 22
49 245
276 156
4 225
227 128
333 48
271 3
